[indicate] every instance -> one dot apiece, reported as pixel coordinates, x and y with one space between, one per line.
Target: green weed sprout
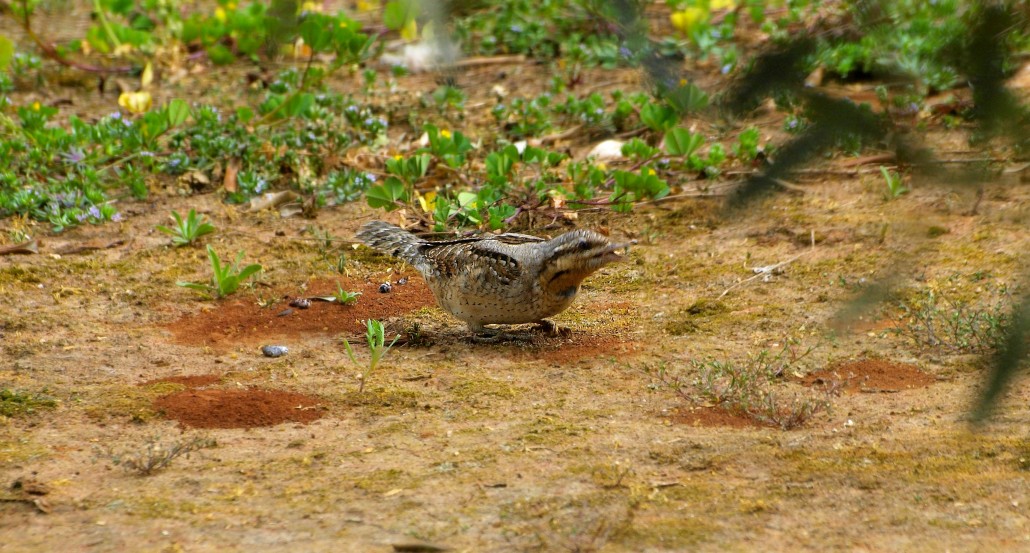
895 187
225 278
344 297
376 338
187 231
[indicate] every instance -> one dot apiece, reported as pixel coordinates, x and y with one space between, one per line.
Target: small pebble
402 281
284 313
301 303
274 351
385 288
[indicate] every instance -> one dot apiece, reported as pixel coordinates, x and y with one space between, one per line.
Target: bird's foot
553 330
484 335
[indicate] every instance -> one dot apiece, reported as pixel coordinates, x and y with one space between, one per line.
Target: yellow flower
36 106
601 165
220 14
650 172
136 102
445 133
343 24
427 201
688 19
722 4
683 82
368 5
311 7
231 6
398 157
410 30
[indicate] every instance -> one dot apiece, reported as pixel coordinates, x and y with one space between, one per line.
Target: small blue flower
73 155
81 217
625 52
727 68
515 28
94 212
370 177
117 217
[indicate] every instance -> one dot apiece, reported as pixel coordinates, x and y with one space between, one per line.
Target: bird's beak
611 253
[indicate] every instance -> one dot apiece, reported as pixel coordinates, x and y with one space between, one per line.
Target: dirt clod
871 375
237 321
248 408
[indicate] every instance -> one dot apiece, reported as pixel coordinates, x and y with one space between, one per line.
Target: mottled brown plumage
502 279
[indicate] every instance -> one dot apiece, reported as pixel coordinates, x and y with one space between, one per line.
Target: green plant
450 148
934 319
154 455
375 336
188 230
396 189
895 184
225 279
745 388
344 297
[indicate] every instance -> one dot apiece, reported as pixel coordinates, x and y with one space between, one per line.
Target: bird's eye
583 245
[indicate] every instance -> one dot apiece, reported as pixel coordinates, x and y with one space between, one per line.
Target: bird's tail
391 240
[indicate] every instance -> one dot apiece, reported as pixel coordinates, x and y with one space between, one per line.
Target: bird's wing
513 239
478 258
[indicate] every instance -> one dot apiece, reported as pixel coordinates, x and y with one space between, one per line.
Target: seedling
376 338
187 231
895 187
225 278
344 297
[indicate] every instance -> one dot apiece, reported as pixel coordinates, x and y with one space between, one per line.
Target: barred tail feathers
391 240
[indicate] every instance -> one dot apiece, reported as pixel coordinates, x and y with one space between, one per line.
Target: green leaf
682 142
387 195
178 110
244 114
658 117
6 52
194 286
248 270
315 33
298 104
398 13
220 54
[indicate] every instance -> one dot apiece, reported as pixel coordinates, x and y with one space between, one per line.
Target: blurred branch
50 51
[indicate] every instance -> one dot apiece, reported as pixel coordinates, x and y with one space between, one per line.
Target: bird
499 279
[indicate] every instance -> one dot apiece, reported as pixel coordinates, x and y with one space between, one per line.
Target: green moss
384 480
550 430
24 274
673 533
475 391
951 461
13 452
14 403
699 316
161 507
132 403
380 401
935 231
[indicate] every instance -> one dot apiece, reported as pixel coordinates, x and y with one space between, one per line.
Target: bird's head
573 256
